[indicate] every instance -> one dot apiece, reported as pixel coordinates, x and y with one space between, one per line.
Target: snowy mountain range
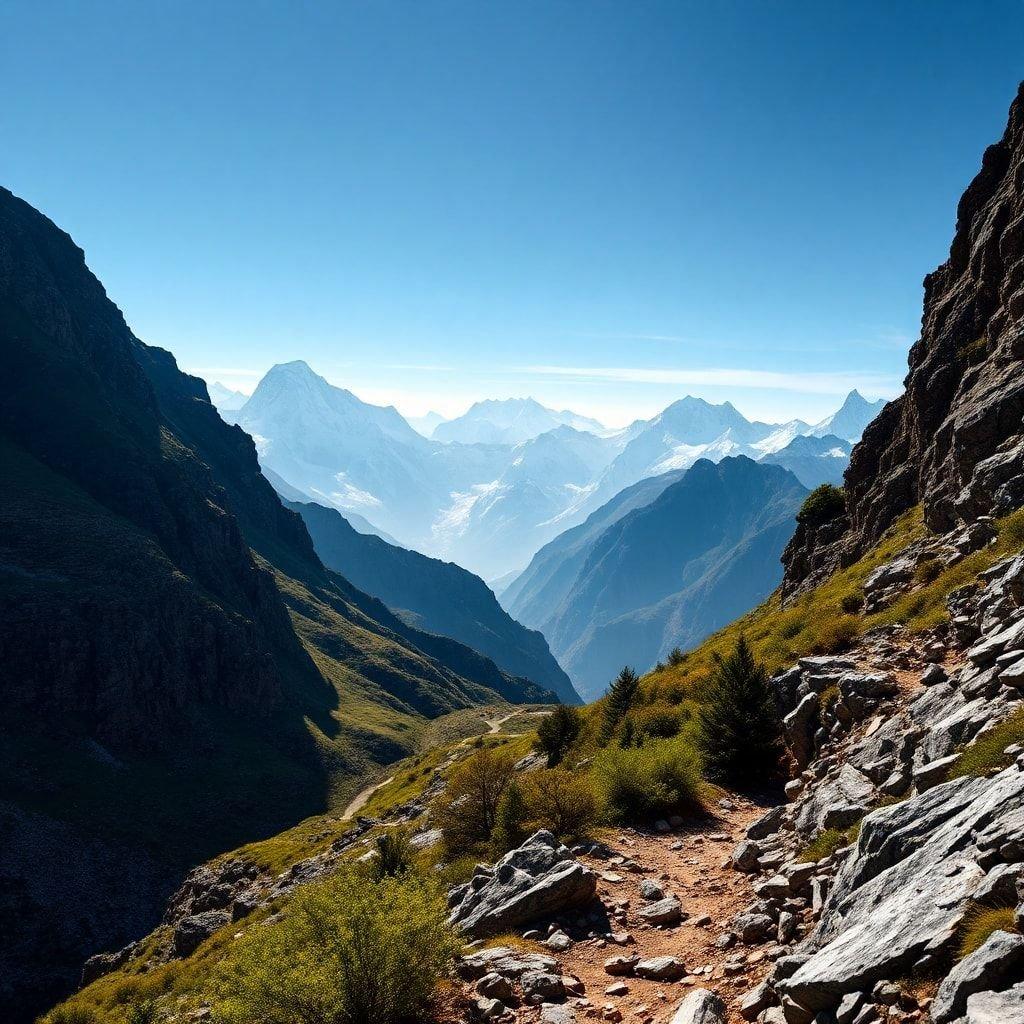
488 490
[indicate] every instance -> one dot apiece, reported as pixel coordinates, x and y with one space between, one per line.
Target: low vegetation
828 842
987 754
825 503
557 732
661 777
980 923
348 950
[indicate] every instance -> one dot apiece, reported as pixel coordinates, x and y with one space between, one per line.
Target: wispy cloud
838 383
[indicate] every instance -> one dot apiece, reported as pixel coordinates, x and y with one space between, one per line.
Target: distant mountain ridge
510 421
642 577
436 596
491 506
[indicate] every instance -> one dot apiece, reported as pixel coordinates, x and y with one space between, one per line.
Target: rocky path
692 865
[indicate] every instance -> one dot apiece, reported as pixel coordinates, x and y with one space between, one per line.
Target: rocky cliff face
160 613
955 440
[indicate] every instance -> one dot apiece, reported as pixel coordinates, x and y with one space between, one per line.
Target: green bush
638 783
468 810
348 951
928 571
510 826
852 604
394 854
660 721
822 505
739 734
72 1014
562 802
827 842
835 634
557 732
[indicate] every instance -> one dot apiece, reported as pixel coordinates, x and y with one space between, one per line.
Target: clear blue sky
607 205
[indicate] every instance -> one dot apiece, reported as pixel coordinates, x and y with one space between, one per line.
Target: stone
843 816
495 986
489 1009
538 879
752 928
799 727
651 890
701 1006
1001 956
558 941
934 772
619 966
744 857
541 987
906 886
1006 1007
661 968
504 960
756 1001
552 1013
618 988
849 1006
191 932
768 824
667 912
933 675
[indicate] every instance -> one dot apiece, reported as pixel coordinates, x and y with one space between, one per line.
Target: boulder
538 879
1001 956
542 987
504 960
756 1001
661 968
666 912
701 1006
651 890
191 932
744 857
1006 1007
905 889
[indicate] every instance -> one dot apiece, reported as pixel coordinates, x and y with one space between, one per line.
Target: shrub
143 1013
980 922
1011 531
394 854
557 732
827 842
468 811
659 778
72 1013
348 951
675 657
618 702
510 826
852 604
835 634
660 721
562 802
822 505
928 571
738 730
829 698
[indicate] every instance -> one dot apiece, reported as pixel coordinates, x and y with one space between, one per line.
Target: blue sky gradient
605 205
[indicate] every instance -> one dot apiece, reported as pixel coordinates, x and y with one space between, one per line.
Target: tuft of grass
980 922
986 754
829 698
827 842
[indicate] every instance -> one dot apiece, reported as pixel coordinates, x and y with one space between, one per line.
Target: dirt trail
693 866
359 801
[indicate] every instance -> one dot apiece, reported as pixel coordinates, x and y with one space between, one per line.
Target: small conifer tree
557 732
510 821
739 733
618 701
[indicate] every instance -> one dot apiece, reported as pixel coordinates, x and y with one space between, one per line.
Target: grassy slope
779 636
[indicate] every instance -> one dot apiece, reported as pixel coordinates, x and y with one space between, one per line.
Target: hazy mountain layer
701 552
487 506
509 421
436 596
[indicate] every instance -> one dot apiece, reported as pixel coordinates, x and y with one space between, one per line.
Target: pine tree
618 701
557 732
739 733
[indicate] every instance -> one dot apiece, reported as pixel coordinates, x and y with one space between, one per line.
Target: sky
605 205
